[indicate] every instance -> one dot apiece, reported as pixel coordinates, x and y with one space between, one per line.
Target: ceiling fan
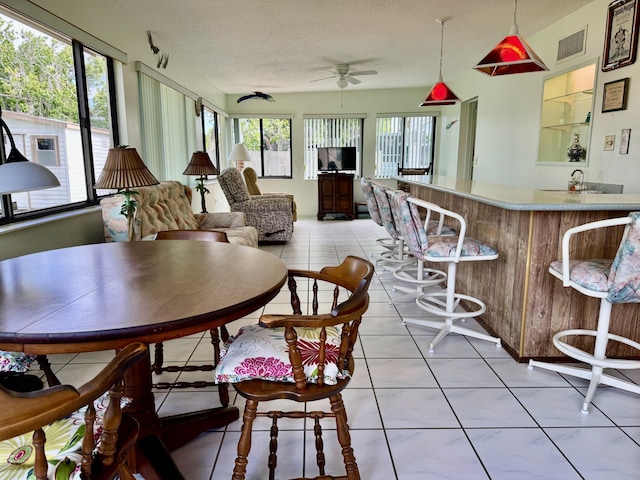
345 76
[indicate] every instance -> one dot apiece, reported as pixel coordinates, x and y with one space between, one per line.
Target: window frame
65 33
235 127
311 155
403 149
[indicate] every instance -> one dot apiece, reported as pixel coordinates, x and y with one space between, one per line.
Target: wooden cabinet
335 194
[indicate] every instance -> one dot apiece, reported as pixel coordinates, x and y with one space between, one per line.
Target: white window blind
168 129
330 132
403 142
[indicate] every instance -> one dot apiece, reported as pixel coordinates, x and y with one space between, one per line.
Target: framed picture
614 95
624 141
621 38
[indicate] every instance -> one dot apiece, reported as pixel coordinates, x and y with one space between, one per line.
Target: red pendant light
512 55
440 94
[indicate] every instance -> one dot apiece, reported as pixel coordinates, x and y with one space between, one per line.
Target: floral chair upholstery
612 281
68 433
272 216
302 356
251 180
167 206
449 250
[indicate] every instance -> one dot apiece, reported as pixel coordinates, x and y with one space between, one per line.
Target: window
211 134
330 132
46 151
168 125
57 100
404 142
269 143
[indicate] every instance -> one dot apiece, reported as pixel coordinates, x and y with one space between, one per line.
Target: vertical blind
168 129
403 142
330 132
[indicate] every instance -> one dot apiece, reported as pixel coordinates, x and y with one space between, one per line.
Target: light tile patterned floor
465 411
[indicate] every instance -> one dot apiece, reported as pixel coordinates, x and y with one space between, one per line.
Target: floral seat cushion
62 448
262 353
590 274
445 246
15 362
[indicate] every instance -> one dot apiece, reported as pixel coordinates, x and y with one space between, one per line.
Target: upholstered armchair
251 180
167 206
271 215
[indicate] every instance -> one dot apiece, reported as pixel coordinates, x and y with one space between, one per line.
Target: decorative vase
576 152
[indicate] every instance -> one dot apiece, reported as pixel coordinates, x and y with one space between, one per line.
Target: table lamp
123 170
17 174
239 155
201 165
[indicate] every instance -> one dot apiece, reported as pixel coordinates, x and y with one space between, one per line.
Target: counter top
520 198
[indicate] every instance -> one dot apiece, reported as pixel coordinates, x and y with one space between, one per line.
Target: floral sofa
167 206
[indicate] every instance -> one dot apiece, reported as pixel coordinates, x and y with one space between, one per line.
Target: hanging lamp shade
512 55
440 93
18 174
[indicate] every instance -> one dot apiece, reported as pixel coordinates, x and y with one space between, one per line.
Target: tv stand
335 194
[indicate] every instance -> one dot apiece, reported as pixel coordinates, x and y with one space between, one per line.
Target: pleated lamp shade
201 165
124 169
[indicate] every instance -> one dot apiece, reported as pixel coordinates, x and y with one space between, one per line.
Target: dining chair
447 249
16 374
216 335
64 432
614 281
303 356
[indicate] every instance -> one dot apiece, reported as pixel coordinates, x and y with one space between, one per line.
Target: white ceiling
280 46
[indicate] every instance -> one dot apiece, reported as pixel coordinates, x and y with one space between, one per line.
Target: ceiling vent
572 46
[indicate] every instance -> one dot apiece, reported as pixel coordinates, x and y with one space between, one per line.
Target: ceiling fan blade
352 80
324 78
364 72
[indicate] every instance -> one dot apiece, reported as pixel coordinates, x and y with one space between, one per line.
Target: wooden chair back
23 413
201 235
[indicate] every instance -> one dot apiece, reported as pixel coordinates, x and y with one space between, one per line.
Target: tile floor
465 411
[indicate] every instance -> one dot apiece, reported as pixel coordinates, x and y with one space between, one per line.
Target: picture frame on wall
614 95
625 135
621 38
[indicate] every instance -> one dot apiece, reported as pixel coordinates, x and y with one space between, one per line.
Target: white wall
509 115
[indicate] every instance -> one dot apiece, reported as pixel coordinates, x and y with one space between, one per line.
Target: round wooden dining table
105 296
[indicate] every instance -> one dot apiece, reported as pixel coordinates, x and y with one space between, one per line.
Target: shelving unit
567 106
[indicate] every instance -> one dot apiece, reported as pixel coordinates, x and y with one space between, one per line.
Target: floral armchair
271 215
251 180
167 206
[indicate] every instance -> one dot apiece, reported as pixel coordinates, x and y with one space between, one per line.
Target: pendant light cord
441 22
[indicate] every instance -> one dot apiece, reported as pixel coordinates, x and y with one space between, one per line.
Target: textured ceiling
282 45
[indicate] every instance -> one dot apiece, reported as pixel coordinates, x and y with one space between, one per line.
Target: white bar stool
414 273
449 249
612 281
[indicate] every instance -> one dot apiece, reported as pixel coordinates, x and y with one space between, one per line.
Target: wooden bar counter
526 305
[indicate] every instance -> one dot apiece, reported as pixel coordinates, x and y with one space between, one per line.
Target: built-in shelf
567 106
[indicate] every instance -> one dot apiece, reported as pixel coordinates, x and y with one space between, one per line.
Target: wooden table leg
160 436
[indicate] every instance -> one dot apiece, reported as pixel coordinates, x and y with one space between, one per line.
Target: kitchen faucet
576 185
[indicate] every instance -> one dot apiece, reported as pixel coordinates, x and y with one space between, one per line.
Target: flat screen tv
335 159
